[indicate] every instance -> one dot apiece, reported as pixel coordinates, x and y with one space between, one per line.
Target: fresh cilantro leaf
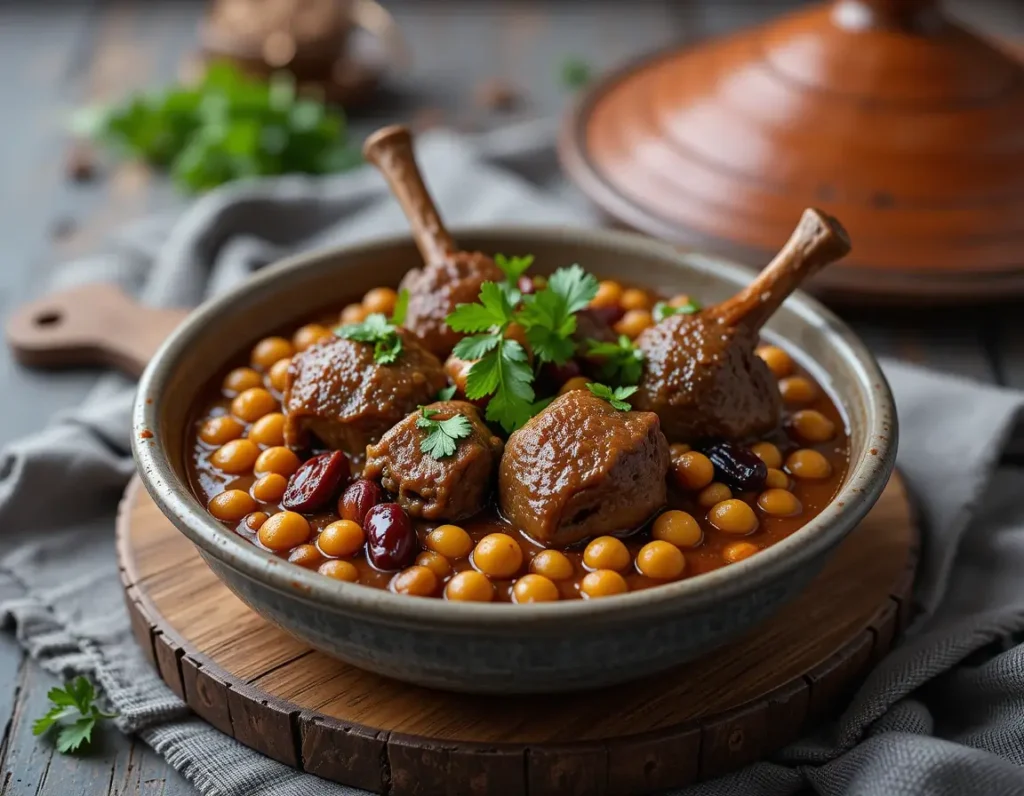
493 311
617 397
484 377
442 435
662 310
512 404
575 286
387 342
621 362
401 308
548 316
552 345
446 393
74 700
475 347
513 267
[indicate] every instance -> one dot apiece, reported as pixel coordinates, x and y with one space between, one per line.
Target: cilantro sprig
446 393
663 310
616 397
381 331
74 712
442 435
622 362
549 316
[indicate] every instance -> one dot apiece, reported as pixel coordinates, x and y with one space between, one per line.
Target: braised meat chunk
338 393
582 468
450 487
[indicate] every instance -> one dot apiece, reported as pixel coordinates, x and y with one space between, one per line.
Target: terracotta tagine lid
884 113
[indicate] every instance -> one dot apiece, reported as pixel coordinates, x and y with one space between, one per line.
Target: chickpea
767 453
733 516
240 380
470 586
776 479
279 459
712 494
813 426
415 581
283 531
380 299
498 555
608 294
634 322
660 560
232 505
603 583
353 313
218 430
778 361
737 551
340 539
306 555
236 456
797 390
278 374
677 449
269 488
339 570
255 520
805 463
451 541
680 300
309 335
693 470
552 564
253 404
435 562
268 430
575 383
606 552
534 589
633 299
678 528
779 503
269 350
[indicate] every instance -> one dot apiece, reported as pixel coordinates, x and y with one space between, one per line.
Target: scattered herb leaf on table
73 712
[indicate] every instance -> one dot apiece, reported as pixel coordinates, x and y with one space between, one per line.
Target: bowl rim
866 478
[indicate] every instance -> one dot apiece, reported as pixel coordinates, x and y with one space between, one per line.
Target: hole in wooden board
49 318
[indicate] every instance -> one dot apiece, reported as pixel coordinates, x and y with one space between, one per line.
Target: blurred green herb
575 73
616 397
73 711
621 362
226 127
663 310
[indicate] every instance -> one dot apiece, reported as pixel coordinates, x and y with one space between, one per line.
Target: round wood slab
273 693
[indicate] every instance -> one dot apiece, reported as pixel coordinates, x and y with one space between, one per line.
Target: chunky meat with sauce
437 288
581 468
337 393
451 488
703 379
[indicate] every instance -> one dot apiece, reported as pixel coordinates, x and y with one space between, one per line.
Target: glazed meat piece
582 468
701 374
449 276
338 394
451 488
437 288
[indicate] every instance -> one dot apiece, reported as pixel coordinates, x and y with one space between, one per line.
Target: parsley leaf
549 316
617 397
475 347
401 308
446 393
513 267
662 310
442 435
512 404
376 329
75 699
621 362
493 311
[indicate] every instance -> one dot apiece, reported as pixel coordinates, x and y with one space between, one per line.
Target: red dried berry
316 482
390 538
358 498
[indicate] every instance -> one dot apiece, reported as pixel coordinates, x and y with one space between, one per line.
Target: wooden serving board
275 694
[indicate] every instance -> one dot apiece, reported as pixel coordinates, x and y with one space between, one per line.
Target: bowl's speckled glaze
506 648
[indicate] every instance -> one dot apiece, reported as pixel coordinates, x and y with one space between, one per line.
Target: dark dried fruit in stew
735 465
582 468
316 482
390 538
359 497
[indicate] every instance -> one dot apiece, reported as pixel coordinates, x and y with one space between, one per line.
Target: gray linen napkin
940 715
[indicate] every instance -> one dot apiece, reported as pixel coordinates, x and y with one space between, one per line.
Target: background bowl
498 648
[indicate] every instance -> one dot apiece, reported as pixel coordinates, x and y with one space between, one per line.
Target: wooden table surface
57 56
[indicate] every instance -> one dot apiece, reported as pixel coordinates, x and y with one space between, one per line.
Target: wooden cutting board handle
89 326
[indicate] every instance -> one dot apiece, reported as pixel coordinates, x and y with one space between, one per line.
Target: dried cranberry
526 285
390 538
560 374
315 482
607 315
359 498
736 466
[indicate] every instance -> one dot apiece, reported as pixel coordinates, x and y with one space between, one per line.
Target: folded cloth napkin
940 715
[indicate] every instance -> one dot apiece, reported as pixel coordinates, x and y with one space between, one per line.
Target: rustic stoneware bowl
501 648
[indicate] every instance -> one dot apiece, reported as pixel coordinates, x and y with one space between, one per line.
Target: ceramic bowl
501 648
